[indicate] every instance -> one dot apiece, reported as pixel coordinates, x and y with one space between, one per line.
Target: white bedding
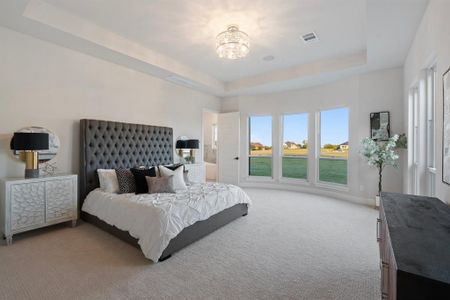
154 219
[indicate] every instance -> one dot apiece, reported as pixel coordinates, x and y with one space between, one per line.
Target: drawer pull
378 229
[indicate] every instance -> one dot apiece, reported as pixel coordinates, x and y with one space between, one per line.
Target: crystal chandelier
232 43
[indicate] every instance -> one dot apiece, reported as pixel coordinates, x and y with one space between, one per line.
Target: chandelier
232 43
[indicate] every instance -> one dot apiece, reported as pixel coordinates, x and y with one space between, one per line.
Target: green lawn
330 170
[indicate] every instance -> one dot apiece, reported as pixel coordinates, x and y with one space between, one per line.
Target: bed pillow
139 179
108 180
172 167
160 184
178 177
126 181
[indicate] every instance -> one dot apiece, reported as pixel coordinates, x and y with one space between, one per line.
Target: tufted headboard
110 145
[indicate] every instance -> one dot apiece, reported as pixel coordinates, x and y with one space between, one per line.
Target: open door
228 147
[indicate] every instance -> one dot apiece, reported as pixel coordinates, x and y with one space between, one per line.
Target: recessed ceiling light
268 57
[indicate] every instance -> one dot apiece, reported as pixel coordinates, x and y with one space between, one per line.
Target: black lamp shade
192 144
181 144
30 141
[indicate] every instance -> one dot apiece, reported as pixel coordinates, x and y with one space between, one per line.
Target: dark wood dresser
414 238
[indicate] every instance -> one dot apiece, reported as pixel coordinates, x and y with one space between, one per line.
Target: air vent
310 37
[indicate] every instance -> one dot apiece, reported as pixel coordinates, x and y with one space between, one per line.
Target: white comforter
154 219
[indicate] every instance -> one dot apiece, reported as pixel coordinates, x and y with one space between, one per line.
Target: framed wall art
380 127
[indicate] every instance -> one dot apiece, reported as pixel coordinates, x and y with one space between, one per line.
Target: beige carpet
290 246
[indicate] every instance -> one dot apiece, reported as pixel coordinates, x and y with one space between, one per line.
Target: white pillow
108 180
178 177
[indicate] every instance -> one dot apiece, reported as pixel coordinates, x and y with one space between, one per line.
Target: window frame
431 130
283 179
248 151
318 134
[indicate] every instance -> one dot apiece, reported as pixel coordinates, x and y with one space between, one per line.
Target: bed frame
110 145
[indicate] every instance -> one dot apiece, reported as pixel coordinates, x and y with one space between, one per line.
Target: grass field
330 170
304 152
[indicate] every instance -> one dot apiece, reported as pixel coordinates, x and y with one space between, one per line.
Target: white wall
377 91
431 43
46 85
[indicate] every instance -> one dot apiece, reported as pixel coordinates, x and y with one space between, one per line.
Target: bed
110 145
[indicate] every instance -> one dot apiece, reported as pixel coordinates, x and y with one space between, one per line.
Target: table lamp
30 142
192 144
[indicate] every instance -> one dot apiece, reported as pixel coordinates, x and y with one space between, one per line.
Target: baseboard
311 190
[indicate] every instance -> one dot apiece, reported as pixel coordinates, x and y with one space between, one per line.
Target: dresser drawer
27 205
59 200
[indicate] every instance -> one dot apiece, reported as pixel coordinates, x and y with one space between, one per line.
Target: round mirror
44 155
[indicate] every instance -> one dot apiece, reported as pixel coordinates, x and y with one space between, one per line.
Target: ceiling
175 39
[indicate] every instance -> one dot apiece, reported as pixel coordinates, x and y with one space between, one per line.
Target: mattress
155 219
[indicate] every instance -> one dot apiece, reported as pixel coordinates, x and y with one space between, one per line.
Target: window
333 145
294 159
260 148
415 140
431 161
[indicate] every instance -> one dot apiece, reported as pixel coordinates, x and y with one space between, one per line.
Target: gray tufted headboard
110 145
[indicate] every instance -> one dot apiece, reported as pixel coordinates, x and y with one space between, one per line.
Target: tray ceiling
169 38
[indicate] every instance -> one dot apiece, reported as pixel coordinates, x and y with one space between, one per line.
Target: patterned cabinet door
60 200
27 205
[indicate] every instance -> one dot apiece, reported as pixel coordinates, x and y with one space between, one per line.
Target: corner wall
42 84
363 94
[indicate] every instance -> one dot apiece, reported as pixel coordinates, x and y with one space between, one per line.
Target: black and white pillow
126 180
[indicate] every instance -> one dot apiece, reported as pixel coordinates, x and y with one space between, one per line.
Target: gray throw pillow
126 181
160 184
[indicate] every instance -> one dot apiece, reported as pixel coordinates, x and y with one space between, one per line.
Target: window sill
287 180
332 186
259 179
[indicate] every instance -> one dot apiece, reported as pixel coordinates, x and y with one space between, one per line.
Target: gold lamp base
31 164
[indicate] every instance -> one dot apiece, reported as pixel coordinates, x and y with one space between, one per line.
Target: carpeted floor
290 246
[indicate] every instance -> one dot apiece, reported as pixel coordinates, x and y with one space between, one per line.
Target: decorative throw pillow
108 180
160 184
178 177
172 167
139 179
126 181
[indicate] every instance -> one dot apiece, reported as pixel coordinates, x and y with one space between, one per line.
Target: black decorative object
181 144
29 143
192 144
380 126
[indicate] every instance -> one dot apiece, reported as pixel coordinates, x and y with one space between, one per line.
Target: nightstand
196 172
27 204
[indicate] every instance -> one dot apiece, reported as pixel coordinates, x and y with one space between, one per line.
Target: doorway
210 139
